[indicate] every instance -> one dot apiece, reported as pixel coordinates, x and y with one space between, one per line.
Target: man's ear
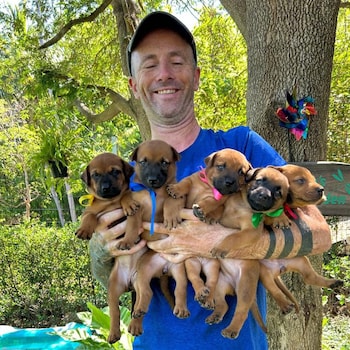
197 74
133 86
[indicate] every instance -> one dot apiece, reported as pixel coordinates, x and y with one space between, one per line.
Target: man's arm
308 235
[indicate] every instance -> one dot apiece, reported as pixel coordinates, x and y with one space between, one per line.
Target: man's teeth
163 92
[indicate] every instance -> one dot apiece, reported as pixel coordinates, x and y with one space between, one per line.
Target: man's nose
165 71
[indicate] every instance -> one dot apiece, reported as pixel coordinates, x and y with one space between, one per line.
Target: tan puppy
154 169
240 278
107 178
206 191
262 198
303 190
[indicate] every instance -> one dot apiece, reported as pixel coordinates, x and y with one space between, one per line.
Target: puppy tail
257 315
164 287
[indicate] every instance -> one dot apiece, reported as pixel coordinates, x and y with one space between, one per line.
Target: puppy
154 168
303 190
240 278
261 199
206 191
107 178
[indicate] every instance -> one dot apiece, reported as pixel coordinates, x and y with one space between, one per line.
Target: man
162 61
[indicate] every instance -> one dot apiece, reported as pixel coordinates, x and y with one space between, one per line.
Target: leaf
99 318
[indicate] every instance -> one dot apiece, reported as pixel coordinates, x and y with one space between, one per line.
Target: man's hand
102 246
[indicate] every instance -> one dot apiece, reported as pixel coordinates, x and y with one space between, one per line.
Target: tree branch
344 5
74 22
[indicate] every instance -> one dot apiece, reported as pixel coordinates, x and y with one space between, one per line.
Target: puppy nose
320 190
105 187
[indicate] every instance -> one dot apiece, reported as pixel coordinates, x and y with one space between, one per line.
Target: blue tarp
36 338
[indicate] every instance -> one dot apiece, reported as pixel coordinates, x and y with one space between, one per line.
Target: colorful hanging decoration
295 116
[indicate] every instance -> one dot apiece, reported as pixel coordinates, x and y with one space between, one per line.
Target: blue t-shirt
163 330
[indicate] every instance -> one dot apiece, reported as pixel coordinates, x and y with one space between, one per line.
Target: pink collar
204 178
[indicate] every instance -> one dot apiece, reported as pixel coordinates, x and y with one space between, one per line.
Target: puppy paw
214 318
84 233
173 191
229 333
124 245
204 299
198 212
132 208
218 253
137 313
181 312
135 327
113 337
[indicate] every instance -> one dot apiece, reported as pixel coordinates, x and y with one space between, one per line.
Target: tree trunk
70 199
290 43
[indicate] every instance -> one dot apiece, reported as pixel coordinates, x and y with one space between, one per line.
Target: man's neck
180 136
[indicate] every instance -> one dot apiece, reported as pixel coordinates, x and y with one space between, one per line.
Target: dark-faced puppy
260 200
206 191
303 190
155 167
107 178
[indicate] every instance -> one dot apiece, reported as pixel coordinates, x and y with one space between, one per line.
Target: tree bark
290 43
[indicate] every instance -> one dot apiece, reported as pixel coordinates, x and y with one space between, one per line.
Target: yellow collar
86 200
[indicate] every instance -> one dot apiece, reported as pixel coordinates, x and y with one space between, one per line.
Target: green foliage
220 101
339 104
45 275
98 320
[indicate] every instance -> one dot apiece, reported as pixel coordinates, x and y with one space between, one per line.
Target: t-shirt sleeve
257 150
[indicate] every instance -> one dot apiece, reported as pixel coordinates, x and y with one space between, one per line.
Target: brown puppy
262 197
206 191
240 278
154 169
107 177
303 190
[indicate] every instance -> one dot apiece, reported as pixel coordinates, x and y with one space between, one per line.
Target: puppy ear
279 168
134 154
251 174
85 176
209 161
176 155
127 169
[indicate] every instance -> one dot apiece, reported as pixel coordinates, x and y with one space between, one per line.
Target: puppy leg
246 293
88 225
129 205
204 292
303 266
178 272
135 327
133 224
115 290
284 299
222 289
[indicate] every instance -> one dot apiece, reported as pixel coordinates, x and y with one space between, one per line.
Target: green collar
257 217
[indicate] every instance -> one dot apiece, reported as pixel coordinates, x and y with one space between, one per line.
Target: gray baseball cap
159 20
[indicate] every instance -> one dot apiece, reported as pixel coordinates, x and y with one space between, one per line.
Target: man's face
164 76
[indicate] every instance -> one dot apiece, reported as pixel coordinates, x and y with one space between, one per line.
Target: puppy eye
220 167
115 172
142 162
278 192
95 176
165 164
300 181
241 172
